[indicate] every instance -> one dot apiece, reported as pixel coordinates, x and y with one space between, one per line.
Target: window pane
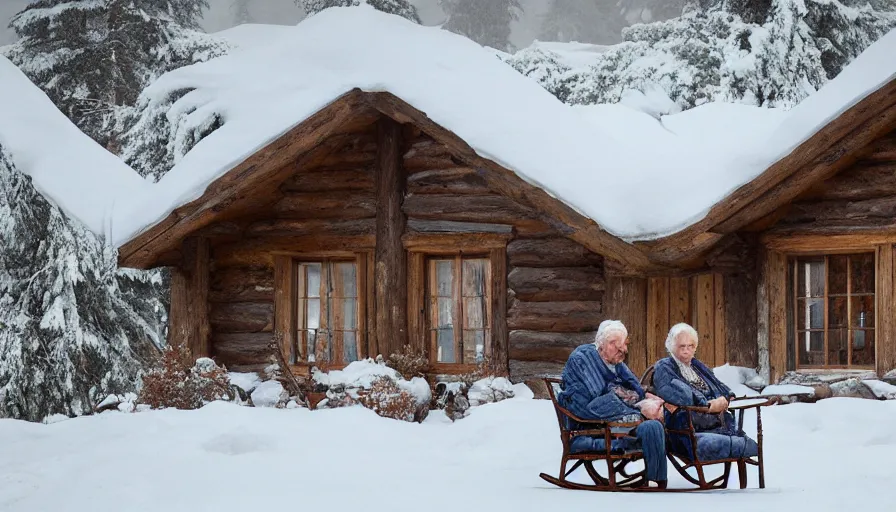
810 314
474 278
474 346
346 280
810 278
862 311
863 348
311 345
444 278
349 346
445 345
838 347
861 267
444 315
312 313
312 279
811 348
837 313
349 314
837 274
474 313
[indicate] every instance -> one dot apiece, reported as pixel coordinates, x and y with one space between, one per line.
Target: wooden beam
391 261
577 226
886 304
831 149
451 243
829 242
285 309
248 183
551 252
447 226
775 271
557 284
189 314
500 353
884 150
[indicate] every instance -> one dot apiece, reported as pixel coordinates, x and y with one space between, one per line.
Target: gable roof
64 164
611 171
245 186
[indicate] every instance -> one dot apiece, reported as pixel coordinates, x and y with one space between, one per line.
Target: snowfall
832 455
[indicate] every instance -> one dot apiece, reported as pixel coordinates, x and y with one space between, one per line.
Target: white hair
605 328
675 331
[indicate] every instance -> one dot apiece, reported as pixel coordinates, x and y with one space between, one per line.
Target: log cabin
368 226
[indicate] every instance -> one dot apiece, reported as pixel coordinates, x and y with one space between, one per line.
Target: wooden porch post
188 319
390 258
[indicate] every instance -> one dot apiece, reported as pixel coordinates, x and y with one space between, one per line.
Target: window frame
793 265
422 246
296 340
458 310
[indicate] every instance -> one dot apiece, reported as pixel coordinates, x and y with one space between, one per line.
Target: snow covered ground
833 455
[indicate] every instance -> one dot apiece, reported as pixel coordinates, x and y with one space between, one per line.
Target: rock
539 389
852 388
890 377
880 389
822 391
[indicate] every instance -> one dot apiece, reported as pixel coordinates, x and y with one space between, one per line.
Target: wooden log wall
555 287
327 205
859 198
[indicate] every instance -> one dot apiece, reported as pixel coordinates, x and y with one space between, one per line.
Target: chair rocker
683 464
617 479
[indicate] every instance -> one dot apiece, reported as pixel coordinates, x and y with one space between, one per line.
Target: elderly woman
681 379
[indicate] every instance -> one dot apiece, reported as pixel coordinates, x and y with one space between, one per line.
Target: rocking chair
683 463
617 478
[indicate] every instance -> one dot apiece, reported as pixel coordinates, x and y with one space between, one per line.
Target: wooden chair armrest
763 401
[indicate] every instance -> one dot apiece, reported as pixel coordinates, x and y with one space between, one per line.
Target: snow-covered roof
65 165
639 178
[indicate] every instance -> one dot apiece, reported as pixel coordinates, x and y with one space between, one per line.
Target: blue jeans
652 438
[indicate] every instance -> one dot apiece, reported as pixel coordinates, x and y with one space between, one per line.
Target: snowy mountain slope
228 108
72 327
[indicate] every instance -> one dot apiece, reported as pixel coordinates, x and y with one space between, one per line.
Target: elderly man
597 385
681 379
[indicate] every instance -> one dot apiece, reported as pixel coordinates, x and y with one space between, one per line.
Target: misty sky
285 12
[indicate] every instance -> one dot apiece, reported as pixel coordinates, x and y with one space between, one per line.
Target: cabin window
834 306
459 311
327 311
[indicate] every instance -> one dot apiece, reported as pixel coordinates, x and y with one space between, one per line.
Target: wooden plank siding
698 300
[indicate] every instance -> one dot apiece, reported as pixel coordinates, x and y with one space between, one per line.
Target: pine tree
584 21
648 11
241 15
711 53
486 22
72 328
402 8
93 57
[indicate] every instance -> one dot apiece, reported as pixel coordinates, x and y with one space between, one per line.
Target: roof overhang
830 150
232 193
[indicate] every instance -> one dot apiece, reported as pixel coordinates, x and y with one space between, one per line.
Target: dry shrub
175 383
388 400
408 363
